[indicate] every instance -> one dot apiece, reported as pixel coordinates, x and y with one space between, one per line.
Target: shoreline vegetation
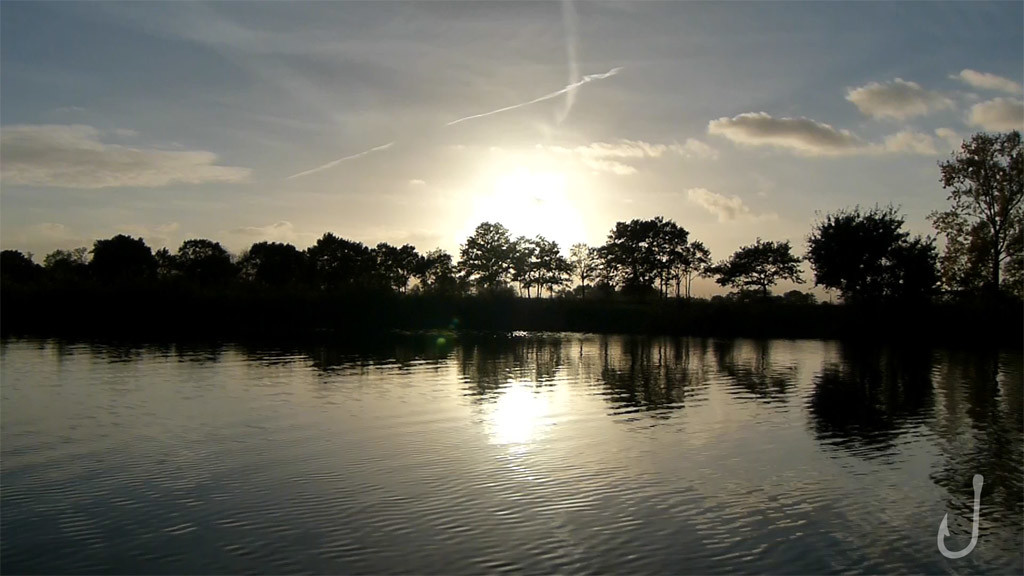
892 286
156 314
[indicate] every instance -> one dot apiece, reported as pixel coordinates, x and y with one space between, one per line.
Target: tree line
864 254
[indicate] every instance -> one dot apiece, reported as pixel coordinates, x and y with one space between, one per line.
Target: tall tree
866 255
985 179
760 265
583 261
525 270
670 244
695 261
486 257
122 259
552 268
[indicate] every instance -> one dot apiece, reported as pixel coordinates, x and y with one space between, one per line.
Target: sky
412 122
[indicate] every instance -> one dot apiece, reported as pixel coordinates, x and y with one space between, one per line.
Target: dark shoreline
244 315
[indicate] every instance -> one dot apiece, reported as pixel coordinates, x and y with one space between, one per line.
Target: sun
530 200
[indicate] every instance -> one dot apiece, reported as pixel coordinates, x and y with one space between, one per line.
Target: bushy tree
68 265
17 268
985 179
273 264
396 266
122 259
205 262
760 265
867 256
640 253
437 273
340 263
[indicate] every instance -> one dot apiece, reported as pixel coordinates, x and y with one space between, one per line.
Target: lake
535 453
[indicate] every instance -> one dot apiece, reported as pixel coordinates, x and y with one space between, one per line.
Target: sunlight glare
518 415
530 201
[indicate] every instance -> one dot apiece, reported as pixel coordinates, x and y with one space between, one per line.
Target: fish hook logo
944 530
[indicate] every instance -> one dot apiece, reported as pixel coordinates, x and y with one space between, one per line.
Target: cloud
949 136
72 156
569 88
611 157
912 142
997 114
898 99
726 208
334 163
808 137
280 231
986 81
157 237
417 182
802 135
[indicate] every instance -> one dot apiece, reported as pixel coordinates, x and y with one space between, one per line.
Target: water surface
557 453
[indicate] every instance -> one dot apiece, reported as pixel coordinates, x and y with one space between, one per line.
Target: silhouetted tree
396 266
437 273
205 262
868 256
583 261
17 268
798 297
986 183
670 242
122 259
760 265
524 264
273 264
67 266
639 252
486 257
338 262
694 261
552 268
166 264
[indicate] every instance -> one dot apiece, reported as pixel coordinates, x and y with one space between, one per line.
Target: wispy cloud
997 114
571 40
898 99
727 208
611 157
986 81
280 231
73 156
334 163
556 93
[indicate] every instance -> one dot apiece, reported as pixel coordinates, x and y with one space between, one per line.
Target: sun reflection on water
518 415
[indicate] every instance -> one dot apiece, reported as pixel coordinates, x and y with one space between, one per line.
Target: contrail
572 86
571 40
340 160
